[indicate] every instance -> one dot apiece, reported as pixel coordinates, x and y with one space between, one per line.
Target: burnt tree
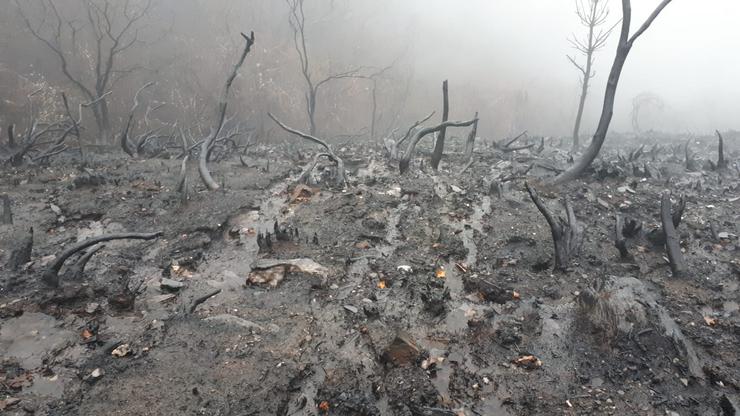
592 16
623 49
113 29
223 103
439 144
297 21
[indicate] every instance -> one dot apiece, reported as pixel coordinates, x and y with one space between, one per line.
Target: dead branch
197 301
567 235
205 174
341 175
51 275
626 42
406 159
672 241
506 147
78 269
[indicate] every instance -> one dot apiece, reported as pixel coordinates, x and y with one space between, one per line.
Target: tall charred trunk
439 145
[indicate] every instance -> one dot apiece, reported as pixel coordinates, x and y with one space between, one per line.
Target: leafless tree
641 101
623 49
109 29
593 14
297 20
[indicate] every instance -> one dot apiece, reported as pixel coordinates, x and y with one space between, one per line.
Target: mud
456 265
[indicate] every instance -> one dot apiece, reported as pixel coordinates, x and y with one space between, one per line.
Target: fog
505 59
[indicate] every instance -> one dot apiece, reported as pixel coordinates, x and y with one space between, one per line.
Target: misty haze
335 207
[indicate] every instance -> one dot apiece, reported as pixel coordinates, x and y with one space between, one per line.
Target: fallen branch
51 275
567 235
205 174
672 241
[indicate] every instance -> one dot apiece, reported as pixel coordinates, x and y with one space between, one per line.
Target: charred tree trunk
623 49
721 162
439 145
567 235
21 254
470 143
620 242
672 241
51 275
7 217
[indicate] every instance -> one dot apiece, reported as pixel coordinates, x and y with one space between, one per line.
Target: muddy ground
426 294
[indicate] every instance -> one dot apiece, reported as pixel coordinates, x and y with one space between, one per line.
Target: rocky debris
121 351
232 320
95 375
272 272
401 351
170 285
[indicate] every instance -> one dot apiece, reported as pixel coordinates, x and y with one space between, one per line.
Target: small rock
97 373
55 209
163 298
92 307
685 382
351 308
406 269
121 351
234 320
171 285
